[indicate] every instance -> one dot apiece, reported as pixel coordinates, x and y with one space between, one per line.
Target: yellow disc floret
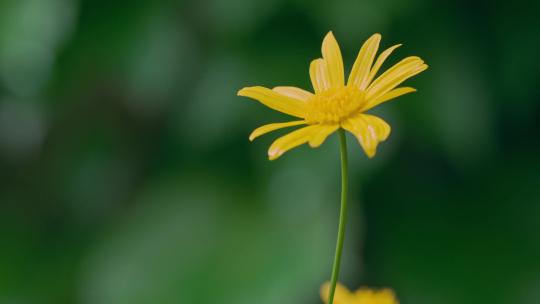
334 105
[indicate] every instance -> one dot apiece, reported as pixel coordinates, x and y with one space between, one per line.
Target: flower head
360 296
334 103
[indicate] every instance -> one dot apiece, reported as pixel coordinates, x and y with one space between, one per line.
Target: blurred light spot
160 65
193 241
364 17
354 21
462 108
237 15
30 33
530 292
214 110
22 129
300 187
306 187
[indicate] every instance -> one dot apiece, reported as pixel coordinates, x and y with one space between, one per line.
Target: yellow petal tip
375 36
329 38
241 92
247 90
274 154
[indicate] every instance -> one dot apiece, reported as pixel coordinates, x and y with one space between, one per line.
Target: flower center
334 105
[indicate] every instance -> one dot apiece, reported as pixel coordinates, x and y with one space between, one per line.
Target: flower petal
318 73
366 295
294 92
369 130
272 127
334 62
323 132
362 65
390 95
394 76
341 296
378 63
291 140
275 100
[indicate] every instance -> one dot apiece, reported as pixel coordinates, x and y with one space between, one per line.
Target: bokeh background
126 175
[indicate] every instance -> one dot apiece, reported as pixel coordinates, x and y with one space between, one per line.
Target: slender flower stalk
342 215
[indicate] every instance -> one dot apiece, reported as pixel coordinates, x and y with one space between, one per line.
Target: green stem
342 216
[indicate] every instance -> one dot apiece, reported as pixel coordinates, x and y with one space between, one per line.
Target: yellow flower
361 296
336 104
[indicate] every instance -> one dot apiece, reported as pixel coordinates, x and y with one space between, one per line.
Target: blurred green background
126 175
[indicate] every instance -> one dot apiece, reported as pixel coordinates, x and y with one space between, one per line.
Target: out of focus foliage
126 175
